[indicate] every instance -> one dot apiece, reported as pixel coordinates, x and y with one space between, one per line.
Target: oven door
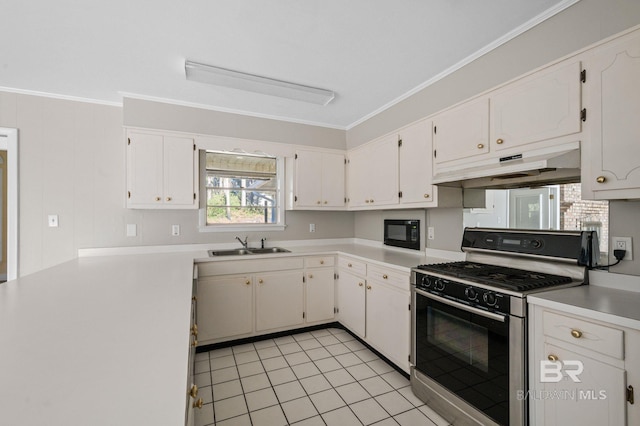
465 350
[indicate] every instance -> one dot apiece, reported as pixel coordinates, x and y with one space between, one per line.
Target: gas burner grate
497 276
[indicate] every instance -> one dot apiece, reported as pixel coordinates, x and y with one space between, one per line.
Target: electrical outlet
175 230
312 227
53 220
623 243
431 233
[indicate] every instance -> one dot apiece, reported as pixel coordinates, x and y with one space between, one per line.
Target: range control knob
426 281
489 298
536 244
439 285
471 293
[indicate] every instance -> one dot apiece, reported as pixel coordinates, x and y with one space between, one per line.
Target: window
242 190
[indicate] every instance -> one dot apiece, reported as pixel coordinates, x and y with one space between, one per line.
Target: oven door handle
471 309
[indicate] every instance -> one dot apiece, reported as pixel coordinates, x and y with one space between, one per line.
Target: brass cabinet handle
426 195
368 287
360 284
371 200
158 198
194 329
366 201
322 262
576 333
247 282
260 281
385 276
194 391
310 276
318 202
194 343
349 265
168 198
194 298
198 404
480 145
601 179
552 358
500 141
325 202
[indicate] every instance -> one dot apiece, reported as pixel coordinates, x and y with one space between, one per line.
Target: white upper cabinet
318 181
611 167
373 173
461 132
536 111
161 171
415 168
545 105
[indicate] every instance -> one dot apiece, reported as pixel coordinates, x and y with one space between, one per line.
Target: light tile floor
323 377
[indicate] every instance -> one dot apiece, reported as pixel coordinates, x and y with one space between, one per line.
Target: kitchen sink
243 252
269 250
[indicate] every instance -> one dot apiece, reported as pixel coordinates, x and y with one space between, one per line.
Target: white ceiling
370 52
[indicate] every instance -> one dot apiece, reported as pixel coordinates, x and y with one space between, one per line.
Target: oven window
464 340
397 232
466 353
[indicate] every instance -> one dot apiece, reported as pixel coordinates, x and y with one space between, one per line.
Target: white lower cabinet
351 302
227 306
388 321
319 289
374 303
279 300
244 298
582 371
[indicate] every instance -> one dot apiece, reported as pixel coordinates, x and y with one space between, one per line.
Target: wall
156 115
72 163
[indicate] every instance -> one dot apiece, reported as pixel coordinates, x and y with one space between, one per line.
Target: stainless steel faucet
244 243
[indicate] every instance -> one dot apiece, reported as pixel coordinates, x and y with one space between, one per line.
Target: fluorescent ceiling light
255 83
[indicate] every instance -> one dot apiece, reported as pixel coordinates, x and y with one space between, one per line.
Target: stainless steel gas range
469 325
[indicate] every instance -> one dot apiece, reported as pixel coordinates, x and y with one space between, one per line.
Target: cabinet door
144 170
415 169
543 106
279 299
462 132
613 96
382 171
358 188
333 189
308 179
351 302
179 182
389 322
226 307
598 399
320 294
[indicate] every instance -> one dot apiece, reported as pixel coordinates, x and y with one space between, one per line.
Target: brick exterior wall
578 214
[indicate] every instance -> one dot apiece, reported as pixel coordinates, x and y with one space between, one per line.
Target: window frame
280 224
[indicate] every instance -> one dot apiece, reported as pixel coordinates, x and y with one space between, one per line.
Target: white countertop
620 307
104 340
97 341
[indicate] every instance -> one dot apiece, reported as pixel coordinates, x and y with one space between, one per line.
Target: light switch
53 220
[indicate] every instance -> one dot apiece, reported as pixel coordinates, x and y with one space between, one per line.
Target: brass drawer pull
385 276
322 262
360 284
349 265
368 287
553 358
576 333
247 282
500 141
480 145
601 179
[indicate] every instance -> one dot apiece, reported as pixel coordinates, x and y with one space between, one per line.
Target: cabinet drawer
229 267
318 261
357 267
599 338
389 276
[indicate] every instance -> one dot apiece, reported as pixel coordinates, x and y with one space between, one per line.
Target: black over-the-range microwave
402 233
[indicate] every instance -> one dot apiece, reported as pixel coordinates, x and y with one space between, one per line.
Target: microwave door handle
471 309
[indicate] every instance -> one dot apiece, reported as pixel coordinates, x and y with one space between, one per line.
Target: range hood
553 165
